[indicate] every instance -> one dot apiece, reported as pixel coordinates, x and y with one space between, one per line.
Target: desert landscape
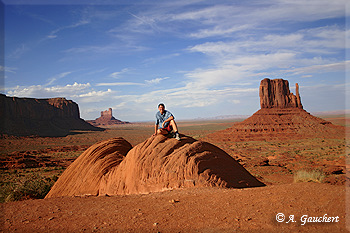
282 169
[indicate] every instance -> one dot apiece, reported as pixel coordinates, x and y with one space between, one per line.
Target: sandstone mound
281 117
42 117
106 119
157 164
83 176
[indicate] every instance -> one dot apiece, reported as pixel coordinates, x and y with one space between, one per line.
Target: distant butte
281 117
106 119
275 94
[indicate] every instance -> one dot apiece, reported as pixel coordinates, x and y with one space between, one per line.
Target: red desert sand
184 210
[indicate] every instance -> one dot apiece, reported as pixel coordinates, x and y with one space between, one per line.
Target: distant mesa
281 117
113 167
40 117
106 119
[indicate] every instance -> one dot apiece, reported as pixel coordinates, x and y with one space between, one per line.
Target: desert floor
184 210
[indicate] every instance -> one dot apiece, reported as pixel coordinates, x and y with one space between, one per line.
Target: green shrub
32 186
309 176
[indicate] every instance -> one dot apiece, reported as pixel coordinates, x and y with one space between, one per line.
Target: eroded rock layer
159 163
84 175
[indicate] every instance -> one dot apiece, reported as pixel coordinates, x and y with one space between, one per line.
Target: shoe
177 137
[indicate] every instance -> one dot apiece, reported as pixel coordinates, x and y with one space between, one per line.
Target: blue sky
200 59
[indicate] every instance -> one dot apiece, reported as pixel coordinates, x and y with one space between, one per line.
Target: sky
202 59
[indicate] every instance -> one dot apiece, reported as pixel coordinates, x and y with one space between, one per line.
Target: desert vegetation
22 186
309 176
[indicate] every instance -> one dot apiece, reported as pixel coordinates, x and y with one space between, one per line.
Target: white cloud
8 69
108 48
332 67
94 96
120 84
39 91
117 74
225 19
321 40
207 15
235 101
82 93
95 93
155 81
306 76
189 96
57 77
218 31
153 60
53 34
19 52
215 48
147 82
272 54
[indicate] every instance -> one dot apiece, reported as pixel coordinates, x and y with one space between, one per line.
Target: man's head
161 108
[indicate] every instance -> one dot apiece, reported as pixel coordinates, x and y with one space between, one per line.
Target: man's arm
155 129
167 120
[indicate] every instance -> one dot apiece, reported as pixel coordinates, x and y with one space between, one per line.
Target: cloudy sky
200 59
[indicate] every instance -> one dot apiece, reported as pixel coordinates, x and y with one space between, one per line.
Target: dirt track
185 210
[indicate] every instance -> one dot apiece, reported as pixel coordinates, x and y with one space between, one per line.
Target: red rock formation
278 124
107 114
42 117
281 117
106 119
84 175
276 94
159 163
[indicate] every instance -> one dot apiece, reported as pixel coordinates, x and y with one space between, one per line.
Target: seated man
165 122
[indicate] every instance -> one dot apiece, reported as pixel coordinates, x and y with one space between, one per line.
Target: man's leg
174 126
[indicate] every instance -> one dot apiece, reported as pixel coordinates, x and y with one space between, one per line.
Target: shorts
168 128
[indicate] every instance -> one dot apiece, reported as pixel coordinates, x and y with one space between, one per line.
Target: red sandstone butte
276 94
106 119
281 117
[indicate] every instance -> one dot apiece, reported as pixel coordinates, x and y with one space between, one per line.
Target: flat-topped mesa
42 117
275 93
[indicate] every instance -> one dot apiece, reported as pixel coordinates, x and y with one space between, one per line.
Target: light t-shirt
160 118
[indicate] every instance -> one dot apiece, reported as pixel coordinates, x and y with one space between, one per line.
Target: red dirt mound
157 164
